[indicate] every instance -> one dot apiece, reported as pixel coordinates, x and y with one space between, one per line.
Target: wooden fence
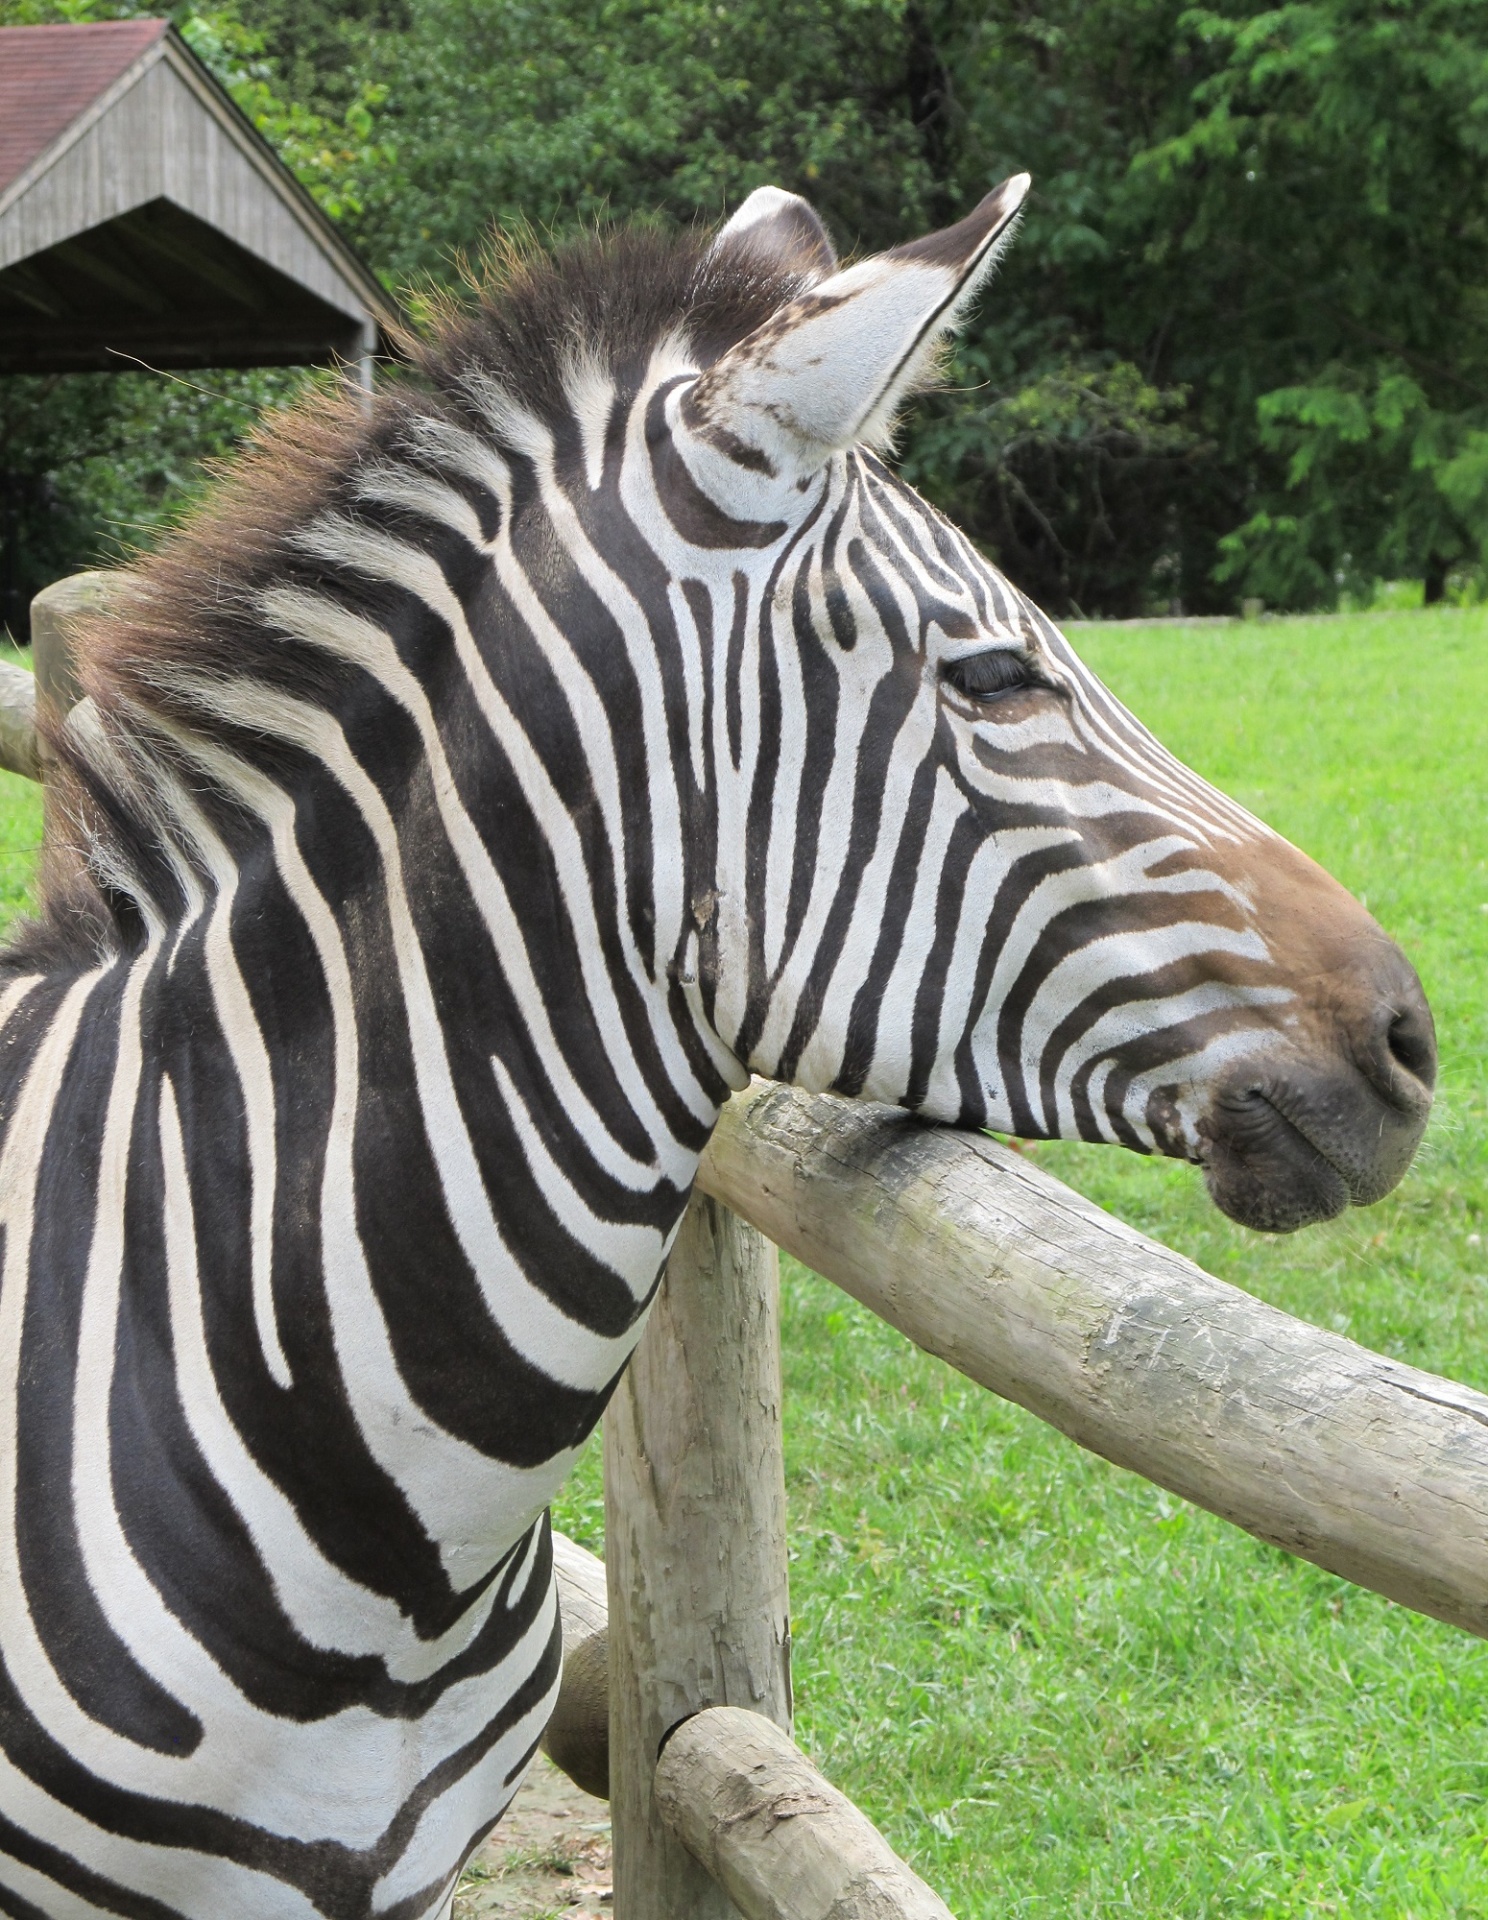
1362 1464
53 615
676 1691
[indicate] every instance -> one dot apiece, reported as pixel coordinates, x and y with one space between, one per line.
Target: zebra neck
421 1173
494 1153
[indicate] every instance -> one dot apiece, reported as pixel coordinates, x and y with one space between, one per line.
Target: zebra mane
541 323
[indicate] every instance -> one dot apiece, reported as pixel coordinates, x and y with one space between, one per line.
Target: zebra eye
989 675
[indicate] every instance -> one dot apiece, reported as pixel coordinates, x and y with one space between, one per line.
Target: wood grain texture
56 613
694 1539
18 746
1366 1466
786 1845
577 1739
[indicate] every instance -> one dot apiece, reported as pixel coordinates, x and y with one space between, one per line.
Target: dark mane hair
611 295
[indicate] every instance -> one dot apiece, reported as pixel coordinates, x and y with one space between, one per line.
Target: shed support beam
1367 1467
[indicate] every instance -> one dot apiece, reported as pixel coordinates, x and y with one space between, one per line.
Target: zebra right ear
830 368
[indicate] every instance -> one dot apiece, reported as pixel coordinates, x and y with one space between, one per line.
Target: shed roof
144 219
50 75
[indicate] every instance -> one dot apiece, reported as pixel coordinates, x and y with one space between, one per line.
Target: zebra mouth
1264 1171
1286 1150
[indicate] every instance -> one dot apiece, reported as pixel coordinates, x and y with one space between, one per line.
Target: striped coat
460 807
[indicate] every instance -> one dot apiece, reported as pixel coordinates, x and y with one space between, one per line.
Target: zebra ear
831 368
780 230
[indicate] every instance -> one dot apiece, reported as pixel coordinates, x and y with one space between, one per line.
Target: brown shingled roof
50 75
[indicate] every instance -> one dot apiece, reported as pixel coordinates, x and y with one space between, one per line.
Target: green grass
20 826
1061 1691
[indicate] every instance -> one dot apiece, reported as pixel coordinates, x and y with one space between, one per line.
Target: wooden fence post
52 687
694 1539
55 612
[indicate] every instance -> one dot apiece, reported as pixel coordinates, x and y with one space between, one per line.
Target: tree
93 465
1316 255
1236 350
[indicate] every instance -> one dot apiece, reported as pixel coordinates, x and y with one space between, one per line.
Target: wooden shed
143 219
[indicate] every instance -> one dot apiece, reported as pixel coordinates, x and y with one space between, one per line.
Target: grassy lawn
1062 1692
20 825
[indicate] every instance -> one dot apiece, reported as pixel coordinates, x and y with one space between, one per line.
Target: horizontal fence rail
1361 1464
777 1840
781 1841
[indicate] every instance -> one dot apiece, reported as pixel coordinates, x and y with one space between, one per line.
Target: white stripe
633 1253
250 1058
325 1606
1138 1019
1123 956
473 1507
893 1043
321 623
565 1349
385 559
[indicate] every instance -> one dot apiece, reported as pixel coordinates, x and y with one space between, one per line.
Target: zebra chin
1283 1149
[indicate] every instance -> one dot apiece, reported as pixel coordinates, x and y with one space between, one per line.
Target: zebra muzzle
1292 1141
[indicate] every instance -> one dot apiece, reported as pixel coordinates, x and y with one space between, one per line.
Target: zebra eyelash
985 677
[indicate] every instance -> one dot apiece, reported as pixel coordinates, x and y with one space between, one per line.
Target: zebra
461 806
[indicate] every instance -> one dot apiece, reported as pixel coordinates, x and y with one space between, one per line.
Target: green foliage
1326 195
334 155
555 115
1236 349
93 465
1069 478
1239 348
1063 1692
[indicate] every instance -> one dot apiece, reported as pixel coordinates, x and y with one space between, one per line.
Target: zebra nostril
1388 1031
1412 1043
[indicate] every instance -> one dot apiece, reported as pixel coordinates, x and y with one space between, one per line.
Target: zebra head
938 864
742 758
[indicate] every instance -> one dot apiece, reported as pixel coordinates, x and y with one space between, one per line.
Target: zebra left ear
831 368
780 230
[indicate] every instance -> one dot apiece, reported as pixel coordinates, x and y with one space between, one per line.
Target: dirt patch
548 1860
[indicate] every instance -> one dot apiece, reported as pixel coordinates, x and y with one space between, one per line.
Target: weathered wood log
18 746
1366 1466
578 1737
731 1786
56 614
784 1843
694 1539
